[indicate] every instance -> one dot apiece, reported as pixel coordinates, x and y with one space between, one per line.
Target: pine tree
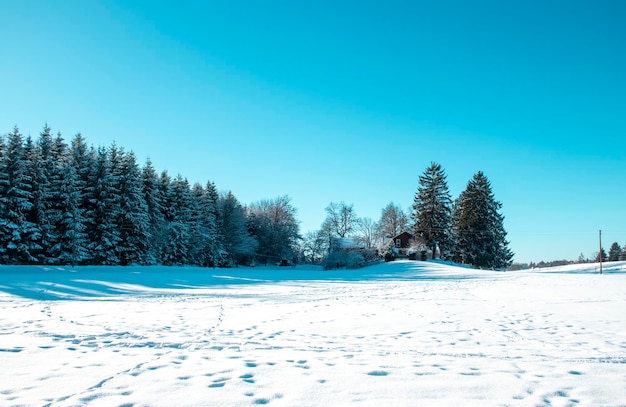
156 220
4 186
615 252
479 227
17 233
42 165
237 241
71 246
211 201
165 202
103 213
178 205
132 217
432 210
203 228
59 206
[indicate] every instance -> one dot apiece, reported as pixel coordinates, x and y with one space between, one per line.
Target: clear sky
331 101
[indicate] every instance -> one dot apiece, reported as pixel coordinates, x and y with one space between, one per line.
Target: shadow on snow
88 282
85 282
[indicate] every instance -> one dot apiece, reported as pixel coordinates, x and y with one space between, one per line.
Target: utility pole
600 255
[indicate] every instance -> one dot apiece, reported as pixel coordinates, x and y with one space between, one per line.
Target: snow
401 334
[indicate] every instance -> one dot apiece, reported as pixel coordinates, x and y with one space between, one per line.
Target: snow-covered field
397 334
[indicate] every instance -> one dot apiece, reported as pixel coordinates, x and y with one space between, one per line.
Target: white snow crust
396 334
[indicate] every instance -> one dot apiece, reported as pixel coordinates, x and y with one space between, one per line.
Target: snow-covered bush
388 251
344 259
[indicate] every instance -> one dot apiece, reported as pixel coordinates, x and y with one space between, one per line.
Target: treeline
73 204
616 253
79 205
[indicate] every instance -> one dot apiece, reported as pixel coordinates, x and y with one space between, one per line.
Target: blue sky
345 101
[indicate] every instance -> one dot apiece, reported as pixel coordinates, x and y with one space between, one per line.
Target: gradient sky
331 101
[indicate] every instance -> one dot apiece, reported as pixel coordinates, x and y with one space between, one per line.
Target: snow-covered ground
397 334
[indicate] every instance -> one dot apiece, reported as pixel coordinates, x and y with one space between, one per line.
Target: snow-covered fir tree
18 235
133 220
71 245
204 250
479 227
103 212
4 186
61 203
178 210
432 210
156 220
236 240
42 167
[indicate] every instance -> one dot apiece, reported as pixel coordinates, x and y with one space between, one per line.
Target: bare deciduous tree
341 218
393 221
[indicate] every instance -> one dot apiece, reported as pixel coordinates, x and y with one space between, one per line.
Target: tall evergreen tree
17 233
59 207
103 213
156 220
479 227
4 186
432 210
42 165
133 220
204 249
236 239
178 208
71 245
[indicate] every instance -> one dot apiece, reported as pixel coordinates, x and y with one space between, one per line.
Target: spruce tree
237 241
59 206
4 186
42 165
203 228
103 213
178 206
132 217
432 210
156 220
71 245
479 227
18 235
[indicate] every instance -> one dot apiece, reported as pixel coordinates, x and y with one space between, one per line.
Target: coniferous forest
72 204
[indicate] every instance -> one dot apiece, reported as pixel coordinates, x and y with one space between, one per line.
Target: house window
398 243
